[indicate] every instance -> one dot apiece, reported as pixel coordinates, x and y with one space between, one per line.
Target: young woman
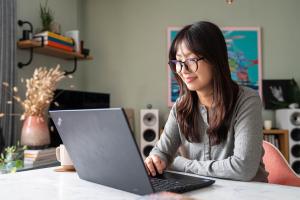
216 123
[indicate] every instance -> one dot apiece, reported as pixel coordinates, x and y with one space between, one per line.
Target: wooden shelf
51 51
283 136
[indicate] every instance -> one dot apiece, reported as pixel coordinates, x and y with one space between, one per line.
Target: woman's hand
154 164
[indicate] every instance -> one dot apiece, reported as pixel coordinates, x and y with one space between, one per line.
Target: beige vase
35 132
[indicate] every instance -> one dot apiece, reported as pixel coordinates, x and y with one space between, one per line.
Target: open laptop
103 150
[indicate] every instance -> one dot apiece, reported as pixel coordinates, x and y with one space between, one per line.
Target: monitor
72 100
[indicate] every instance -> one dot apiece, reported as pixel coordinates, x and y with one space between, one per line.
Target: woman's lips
190 79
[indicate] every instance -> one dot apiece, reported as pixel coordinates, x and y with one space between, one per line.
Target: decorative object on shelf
39 94
40 90
35 132
278 94
12 158
268 124
26 34
55 27
84 51
75 35
47 16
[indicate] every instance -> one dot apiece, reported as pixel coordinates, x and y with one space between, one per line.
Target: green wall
68 14
128 41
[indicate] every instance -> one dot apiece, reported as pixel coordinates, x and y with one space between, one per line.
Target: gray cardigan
237 158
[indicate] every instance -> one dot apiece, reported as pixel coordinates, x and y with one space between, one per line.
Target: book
39 157
39 163
58 45
39 154
49 38
57 36
39 151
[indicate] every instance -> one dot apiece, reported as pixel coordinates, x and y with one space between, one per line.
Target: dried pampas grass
40 91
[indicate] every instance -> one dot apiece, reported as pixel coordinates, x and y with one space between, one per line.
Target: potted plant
39 95
47 16
12 158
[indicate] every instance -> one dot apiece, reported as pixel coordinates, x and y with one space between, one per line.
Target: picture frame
244 56
173 87
280 93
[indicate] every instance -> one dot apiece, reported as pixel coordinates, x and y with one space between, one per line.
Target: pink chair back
278 168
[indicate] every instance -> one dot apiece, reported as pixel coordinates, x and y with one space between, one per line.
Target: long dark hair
206 39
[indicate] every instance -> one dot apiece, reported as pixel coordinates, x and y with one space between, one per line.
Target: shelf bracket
26 33
20 64
74 69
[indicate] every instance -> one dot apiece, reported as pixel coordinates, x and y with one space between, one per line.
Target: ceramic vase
35 132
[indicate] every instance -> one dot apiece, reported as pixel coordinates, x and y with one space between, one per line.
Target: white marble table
47 184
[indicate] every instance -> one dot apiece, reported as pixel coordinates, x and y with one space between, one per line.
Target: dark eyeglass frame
173 63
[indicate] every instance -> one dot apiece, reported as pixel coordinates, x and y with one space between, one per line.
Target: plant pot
35 132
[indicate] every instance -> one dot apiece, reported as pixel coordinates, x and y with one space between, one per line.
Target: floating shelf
51 51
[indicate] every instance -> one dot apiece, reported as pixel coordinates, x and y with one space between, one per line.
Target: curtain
7 70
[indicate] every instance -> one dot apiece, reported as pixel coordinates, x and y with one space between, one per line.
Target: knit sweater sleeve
170 140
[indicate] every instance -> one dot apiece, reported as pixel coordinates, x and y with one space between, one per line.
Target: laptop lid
102 148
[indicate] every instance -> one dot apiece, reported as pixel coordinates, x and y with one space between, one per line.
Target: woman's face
196 81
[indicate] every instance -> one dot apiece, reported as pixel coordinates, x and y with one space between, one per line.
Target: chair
278 168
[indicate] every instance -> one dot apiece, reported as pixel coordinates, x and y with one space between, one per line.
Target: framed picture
244 57
281 93
173 87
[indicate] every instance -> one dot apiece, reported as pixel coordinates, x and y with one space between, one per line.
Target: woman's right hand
154 164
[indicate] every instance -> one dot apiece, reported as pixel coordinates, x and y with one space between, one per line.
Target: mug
63 157
268 124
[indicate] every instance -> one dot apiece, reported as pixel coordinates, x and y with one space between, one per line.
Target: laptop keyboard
178 183
170 185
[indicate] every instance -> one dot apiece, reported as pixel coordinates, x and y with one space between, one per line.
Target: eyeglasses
190 64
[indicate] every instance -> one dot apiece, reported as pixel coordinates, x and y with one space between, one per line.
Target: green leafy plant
47 16
12 158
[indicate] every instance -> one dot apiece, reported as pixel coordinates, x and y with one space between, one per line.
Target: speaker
149 130
290 119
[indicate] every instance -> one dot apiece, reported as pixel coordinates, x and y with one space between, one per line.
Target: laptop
104 151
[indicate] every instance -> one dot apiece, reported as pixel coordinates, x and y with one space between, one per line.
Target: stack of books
39 157
273 139
56 40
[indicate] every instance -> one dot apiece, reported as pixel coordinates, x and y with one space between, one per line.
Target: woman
216 123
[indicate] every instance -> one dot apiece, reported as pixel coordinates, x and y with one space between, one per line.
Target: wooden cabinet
283 139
